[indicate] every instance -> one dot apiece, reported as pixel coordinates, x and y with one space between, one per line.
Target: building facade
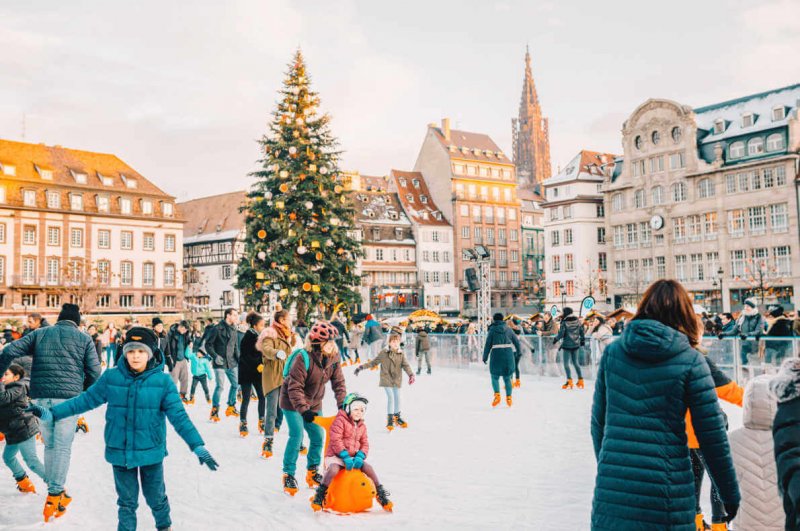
708 196
533 250
530 134
213 245
434 238
84 227
474 184
575 230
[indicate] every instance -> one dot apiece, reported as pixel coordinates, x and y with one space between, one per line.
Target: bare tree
195 292
592 282
80 282
760 276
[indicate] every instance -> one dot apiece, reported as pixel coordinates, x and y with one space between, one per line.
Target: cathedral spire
531 142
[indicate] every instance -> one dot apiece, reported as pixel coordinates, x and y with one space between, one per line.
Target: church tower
530 134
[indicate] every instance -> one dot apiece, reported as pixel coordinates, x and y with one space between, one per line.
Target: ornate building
530 134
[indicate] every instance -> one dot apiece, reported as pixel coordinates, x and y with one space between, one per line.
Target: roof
411 188
31 161
374 183
478 146
213 216
378 207
586 165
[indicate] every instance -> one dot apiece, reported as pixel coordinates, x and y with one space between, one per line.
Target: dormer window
410 198
168 209
53 199
106 180
79 177
44 173
393 215
423 199
129 182
376 235
476 151
398 233
415 182
9 169
402 182
452 148
464 150
362 198
370 213
748 119
437 215
778 113
719 127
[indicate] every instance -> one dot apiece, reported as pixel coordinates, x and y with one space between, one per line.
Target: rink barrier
739 359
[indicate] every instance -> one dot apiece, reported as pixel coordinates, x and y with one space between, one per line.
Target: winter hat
140 338
776 310
157 321
395 331
751 302
566 313
70 312
498 317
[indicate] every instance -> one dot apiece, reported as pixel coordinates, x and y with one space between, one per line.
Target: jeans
126 480
111 351
233 377
571 354
316 435
247 389
344 354
271 412
506 382
427 355
392 400
203 381
58 437
718 513
180 374
27 449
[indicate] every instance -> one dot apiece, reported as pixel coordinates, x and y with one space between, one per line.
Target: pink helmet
323 331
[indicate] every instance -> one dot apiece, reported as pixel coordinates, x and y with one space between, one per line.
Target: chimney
446 128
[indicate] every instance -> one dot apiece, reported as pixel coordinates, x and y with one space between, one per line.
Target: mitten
205 457
411 379
260 367
358 459
349 462
358 370
41 412
281 355
309 416
720 336
743 337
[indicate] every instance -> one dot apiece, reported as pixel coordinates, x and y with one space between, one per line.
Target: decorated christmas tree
299 223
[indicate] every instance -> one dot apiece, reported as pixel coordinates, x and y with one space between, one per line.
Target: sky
182 90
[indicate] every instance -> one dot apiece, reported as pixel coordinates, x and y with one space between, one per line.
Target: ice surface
460 465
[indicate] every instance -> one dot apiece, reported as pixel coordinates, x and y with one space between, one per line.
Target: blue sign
553 311
586 305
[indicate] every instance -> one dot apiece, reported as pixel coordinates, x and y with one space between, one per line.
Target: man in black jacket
222 345
177 340
64 364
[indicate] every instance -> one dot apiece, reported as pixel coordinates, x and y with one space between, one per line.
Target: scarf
283 331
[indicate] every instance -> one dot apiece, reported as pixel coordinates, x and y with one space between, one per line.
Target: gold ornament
279 205
291 233
312 168
318 256
306 286
293 276
315 288
262 234
283 174
260 275
284 292
284 188
315 244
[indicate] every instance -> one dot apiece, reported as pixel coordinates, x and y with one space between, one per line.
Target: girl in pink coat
348 447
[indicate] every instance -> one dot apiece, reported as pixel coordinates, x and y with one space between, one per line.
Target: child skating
392 361
348 447
501 346
202 373
140 397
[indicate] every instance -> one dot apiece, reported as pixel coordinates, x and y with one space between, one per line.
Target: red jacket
347 435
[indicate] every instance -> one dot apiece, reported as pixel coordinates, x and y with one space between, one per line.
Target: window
633 234
655 136
712 260
679 192
645 232
29 234
104 300
512 214
779 217
507 194
126 273
53 270
569 262
705 188
8 169
76 238
680 267
53 300
477 236
169 301
501 236
601 235
567 236
28 270
697 266
53 236
647 269
556 263
658 195
464 210
149 301
638 199
637 143
490 236
126 240
2 233
783 260
513 235
778 113
775 142
29 300
755 146
149 241
29 198
736 222
148 274
488 214
76 201
638 168
476 214
2 272
601 210
514 255
465 232
719 126
710 223
676 161
104 239
657 164
617 202
103 271
53 199
555 238
619 272
124 206
570 287
678 229
2 194
760 256
737 263
757 219
147 207
602 261
74 270
780 176
126 301
730 183
567 211
619 236
748 119
379 254
102 203
695 227
661 267
676 134
736 150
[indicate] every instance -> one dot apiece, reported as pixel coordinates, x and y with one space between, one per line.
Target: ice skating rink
460 465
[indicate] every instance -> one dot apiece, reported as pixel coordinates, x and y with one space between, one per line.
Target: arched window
679 192
775 142
755 146
676 134
705 188
617 202
637 142
736 150
658 195
638 199
655 137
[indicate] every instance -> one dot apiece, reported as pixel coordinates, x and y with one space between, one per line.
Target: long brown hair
668 302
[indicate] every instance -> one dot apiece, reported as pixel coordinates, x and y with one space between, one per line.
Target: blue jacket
64 360
646 381
372 332
199 366
502 346
138 405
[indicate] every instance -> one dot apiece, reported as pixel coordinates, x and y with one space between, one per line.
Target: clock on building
656 222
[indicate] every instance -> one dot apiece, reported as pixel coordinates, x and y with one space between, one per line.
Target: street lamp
563 295
221 306
720 273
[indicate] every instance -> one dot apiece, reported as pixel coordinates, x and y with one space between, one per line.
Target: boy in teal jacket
202 373
140 397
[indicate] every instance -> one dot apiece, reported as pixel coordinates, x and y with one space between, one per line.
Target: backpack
290 360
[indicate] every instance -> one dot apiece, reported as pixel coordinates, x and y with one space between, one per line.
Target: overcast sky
180 90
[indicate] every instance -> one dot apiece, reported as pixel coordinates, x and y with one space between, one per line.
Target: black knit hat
498 317
776 310
70 312
157 321
142 338
566 313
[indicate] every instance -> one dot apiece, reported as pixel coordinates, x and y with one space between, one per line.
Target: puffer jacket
752 449
138 406
786 436
303 389
646 381
64 360
502 346
423 342
393 363
372 332
15 423
199 365
571 334
346 434
751 325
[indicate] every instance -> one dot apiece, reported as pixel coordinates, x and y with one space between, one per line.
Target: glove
411 379
358 370
219 361
743 337
720 336
260 367
205 457
731 509
41 412
281 355
309 416
349 462
358 459
583 343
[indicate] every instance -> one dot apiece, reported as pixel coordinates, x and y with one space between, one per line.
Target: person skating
140 397
785 387
751 325
178 339
302 392
20 428
202 373
572 337
222 345
64 364
250 370
501 346
372 338
348 448
392 361
423 349
356 334
342 342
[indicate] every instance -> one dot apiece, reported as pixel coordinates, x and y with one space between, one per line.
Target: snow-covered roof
586 165
416 200
212 237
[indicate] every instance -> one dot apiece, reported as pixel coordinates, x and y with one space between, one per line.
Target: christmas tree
299 222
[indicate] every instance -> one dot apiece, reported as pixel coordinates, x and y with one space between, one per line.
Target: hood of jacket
498 327
422 333
652 341
758 406
786 385
571 323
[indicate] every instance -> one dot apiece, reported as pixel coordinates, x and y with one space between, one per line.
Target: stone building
530 134
533 249
708 196
84 227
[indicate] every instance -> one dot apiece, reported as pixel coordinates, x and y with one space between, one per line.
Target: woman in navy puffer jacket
646 381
